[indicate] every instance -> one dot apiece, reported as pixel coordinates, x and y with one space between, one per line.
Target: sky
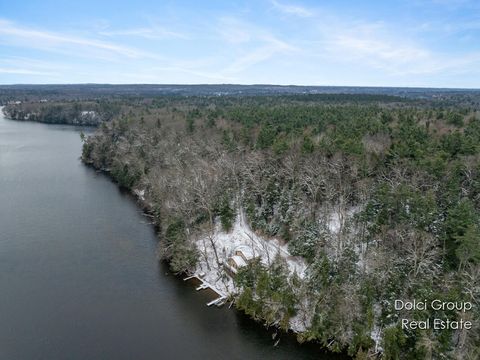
414 43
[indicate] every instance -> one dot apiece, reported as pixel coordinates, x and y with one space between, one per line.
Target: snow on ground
303 319
139 193
376 335
336 219
242 236
334 223
90 113
226 243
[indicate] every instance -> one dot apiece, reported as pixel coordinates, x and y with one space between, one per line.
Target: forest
377 195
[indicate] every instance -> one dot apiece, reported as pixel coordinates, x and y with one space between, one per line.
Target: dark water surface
79 277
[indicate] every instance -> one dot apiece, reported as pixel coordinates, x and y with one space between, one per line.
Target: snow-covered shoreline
241 235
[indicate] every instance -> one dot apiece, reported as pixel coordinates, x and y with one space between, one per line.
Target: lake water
79 278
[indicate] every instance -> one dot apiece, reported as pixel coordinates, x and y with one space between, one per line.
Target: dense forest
376 196
87 113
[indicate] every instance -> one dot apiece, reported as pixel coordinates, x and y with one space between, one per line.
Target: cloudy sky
433 43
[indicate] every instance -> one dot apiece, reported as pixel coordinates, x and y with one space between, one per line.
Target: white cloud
233 31
254 57
13 34
251 44
146 32
377 45
379 49
290 9
20 71
27 66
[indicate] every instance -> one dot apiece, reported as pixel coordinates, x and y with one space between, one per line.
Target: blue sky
432 43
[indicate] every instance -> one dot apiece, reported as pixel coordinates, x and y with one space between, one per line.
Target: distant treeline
85 92
74 113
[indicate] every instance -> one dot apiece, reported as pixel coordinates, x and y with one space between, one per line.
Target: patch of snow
140 194
337 219
303 319
88 113
376 335
298 323
361 251
334 223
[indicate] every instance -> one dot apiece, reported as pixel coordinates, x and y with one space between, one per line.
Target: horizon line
246 85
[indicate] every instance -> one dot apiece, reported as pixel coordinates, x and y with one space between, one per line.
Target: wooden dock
218 301
222 298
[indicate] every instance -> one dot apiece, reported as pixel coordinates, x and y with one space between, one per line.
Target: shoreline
146 209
